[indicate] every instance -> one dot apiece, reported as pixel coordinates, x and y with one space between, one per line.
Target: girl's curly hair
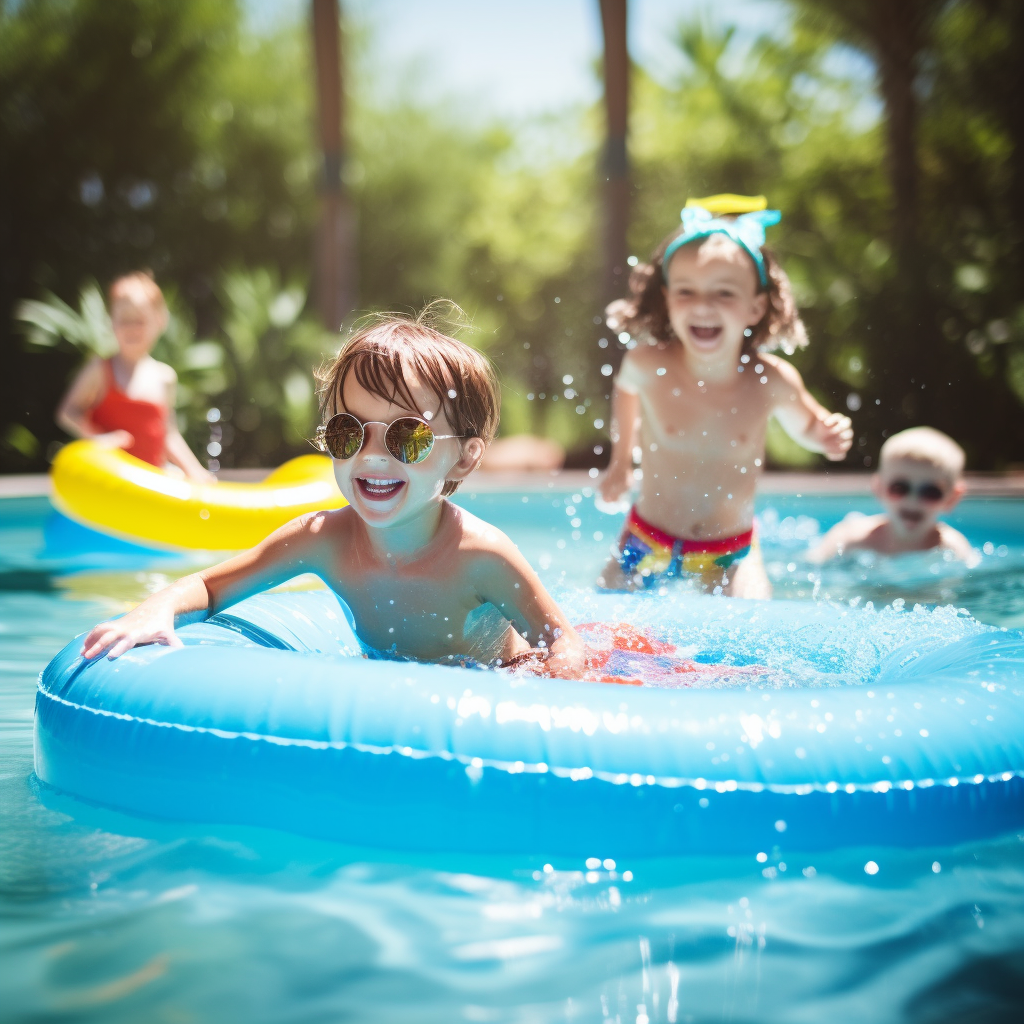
645 315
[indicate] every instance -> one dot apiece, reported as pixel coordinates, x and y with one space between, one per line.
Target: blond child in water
127 401
919 477
696 394
410 413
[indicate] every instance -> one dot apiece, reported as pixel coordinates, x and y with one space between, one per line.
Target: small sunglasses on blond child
409 439
929 492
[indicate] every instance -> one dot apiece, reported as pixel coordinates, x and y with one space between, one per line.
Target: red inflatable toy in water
621 653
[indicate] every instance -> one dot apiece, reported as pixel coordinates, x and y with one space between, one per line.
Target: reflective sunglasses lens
931 493
898 488
409 440
343 436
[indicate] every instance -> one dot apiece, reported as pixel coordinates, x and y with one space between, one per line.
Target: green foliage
260 369
940 323
165 135
50 321
776 120
450 210
141 134
18 438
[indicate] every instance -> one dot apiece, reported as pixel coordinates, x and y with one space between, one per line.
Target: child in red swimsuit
127 401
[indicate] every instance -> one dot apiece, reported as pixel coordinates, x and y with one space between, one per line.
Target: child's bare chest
418 615
702 420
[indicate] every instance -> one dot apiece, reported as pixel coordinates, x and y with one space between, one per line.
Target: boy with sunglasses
409 413
919 477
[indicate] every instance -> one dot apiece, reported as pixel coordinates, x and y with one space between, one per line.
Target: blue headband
746 230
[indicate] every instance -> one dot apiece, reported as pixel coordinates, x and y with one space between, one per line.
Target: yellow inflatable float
113 492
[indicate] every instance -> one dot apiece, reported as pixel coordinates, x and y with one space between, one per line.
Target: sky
520 58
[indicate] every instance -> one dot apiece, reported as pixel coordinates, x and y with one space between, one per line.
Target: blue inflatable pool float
269 716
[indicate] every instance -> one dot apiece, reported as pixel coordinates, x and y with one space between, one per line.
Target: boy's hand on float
835 432
541 661
565 658
141 626
529 663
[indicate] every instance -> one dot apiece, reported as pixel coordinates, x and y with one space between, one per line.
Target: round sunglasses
409 439
930 493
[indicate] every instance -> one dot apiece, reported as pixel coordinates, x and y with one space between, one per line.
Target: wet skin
414 569
909 523
700 413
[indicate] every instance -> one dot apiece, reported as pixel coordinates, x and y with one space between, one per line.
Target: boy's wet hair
138 288
645 314
928 446
387 348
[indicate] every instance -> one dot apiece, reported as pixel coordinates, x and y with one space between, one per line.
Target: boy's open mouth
378 488
705 333
911 516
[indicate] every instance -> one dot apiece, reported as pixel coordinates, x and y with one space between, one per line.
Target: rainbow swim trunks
651 553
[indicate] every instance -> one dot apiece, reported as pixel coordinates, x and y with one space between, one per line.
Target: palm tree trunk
616 159
334 257
896 28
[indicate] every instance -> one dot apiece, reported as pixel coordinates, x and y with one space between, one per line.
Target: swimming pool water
108 918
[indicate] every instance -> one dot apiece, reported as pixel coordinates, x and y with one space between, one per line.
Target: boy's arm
288 551
624 429
178 451
805 419
505 579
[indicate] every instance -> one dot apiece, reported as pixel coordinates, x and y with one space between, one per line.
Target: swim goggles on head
409 439
746 229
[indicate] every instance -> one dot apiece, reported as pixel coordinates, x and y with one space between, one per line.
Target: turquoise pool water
111 919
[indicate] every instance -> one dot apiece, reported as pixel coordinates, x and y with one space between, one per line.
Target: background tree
921 50
171 136
138 134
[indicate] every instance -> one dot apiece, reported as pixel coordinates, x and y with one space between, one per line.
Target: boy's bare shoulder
327 524
955 541
485 546
855 530
477 536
